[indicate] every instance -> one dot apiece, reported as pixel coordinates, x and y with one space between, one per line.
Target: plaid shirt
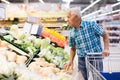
86 39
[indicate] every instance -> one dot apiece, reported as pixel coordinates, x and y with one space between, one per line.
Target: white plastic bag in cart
76 75
90 76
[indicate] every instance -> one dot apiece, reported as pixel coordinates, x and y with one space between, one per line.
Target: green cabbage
37 43
45 43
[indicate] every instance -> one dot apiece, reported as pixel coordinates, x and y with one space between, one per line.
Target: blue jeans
82 65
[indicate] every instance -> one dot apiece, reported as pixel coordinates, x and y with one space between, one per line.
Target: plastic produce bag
76 75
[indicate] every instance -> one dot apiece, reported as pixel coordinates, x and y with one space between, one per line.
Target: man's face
71 19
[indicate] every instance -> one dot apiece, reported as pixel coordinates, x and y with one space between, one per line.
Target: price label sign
36 29
27 27
32 19
2 12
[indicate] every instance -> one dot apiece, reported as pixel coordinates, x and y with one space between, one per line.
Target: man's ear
76 17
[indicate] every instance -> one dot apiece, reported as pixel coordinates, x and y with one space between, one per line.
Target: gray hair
75 11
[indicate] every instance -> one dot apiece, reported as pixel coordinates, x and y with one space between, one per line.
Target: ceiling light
115 4
95 2
67 0
102 16
115 11
42 1
91 14
88 15
6 1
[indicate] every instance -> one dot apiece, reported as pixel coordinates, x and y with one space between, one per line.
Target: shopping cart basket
103 68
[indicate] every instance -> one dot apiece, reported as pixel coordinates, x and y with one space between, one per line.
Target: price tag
32 19
36 29
2 13
27 27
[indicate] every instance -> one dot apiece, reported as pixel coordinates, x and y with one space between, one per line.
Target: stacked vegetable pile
37 70
31 44
23 41
10 55
50 59
55 55
54 36
52 54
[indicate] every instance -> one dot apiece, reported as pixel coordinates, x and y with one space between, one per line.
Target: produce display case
113 29
49 58
16 47
37 48
10 40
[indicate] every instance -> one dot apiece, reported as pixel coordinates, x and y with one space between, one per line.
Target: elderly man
85 38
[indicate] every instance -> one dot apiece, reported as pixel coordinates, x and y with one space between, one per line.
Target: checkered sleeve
71 41
98 29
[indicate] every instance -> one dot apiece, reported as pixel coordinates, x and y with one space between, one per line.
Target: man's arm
106 44
72 55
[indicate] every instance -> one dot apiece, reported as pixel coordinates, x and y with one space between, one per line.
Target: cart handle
94 53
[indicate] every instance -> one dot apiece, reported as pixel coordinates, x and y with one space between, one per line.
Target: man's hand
68 66
105 53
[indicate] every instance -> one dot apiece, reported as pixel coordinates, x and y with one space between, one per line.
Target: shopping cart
103 68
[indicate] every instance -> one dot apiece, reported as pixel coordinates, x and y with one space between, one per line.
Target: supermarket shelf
112 25
114 49
117 32
53 24
46 15
117 44
113 37
113 22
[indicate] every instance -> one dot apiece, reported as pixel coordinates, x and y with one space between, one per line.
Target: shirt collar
81 25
